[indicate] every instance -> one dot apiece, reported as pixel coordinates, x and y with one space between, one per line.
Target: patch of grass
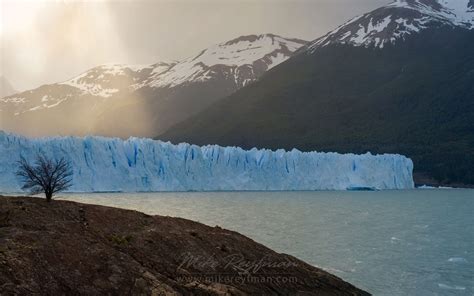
120 240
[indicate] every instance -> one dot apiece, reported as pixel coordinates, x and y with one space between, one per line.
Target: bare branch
45 176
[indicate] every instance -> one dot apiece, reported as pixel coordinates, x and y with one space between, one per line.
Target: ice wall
110 164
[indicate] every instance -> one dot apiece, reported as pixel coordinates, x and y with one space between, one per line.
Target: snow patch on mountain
245 51
373 27
13 100
94 82
398 20
458 12
93 89
110 164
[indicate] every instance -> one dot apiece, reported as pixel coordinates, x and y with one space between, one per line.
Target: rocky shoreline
68 248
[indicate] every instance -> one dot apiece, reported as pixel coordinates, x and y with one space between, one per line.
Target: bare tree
45 176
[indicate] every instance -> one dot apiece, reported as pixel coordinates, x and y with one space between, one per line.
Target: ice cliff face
110 164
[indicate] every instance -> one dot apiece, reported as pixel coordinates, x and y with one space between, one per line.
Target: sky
48 41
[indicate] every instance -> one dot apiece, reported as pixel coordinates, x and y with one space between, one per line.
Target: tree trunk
49 196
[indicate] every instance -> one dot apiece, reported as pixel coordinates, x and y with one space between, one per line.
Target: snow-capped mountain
107 164
145 99
107 80
242 60
397 21
6 88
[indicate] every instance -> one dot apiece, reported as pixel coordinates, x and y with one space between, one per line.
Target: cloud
50 42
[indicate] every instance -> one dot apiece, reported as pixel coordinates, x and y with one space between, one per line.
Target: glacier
144 165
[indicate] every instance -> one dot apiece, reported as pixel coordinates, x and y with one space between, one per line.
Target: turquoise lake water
417 242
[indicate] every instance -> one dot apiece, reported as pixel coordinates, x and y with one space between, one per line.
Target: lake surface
418 242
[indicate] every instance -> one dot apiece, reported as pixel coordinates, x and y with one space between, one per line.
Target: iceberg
110 164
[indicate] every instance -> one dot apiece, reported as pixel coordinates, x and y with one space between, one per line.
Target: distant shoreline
428 187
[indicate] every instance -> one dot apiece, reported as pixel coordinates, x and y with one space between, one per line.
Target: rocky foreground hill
68 248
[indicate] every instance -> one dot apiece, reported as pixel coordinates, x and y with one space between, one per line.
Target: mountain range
125 100
399 79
